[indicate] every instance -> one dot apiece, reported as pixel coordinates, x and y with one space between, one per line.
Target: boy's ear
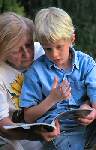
73 38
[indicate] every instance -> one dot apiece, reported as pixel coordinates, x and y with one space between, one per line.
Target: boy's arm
56 95
90 82
33 113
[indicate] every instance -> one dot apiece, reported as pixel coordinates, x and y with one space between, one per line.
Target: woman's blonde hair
13 29
53 24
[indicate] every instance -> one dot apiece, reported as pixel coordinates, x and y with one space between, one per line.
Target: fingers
66 94
55 83
85 106
65 89
61 91
48 136
84 121
57 127
65 85
88 119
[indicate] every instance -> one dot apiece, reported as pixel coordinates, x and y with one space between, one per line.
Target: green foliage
82 12
83 15
11 5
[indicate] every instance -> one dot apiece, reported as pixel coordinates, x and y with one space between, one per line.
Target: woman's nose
27 54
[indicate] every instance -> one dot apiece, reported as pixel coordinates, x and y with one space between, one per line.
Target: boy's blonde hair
13 29
53 24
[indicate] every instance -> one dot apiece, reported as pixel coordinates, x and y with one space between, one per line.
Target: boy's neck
68 63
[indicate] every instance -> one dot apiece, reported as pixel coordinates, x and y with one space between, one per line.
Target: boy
59 80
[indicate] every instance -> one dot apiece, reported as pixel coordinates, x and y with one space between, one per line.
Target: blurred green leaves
82 12
11 5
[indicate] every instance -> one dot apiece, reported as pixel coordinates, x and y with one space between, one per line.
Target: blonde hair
53 24
13 29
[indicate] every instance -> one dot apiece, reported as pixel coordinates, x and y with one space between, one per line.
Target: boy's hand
89 118
48 136
60 92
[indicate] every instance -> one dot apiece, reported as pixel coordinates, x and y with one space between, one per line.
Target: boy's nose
54 53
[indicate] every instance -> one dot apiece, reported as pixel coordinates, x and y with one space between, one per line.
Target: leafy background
83 13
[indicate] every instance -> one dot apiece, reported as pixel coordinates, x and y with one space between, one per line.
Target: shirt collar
48 62
75 61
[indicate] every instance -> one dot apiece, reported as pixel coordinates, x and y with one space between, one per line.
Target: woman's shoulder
38 50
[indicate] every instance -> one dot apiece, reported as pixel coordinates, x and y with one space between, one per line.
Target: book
71 114
33 126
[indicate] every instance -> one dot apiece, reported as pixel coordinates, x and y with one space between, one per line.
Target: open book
31 126
71 114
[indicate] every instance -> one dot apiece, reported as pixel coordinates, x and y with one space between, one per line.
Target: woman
16 55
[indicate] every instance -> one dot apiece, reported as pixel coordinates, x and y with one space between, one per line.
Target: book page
73 114
33 126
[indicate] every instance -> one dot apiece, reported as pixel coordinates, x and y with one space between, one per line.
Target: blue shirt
40 77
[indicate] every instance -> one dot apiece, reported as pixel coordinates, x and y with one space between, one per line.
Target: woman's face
23 57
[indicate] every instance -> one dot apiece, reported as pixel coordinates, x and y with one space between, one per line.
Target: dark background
82 12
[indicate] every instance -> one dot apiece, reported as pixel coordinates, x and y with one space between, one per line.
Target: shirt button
69 145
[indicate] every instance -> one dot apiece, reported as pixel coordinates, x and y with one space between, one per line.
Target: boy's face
59 52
